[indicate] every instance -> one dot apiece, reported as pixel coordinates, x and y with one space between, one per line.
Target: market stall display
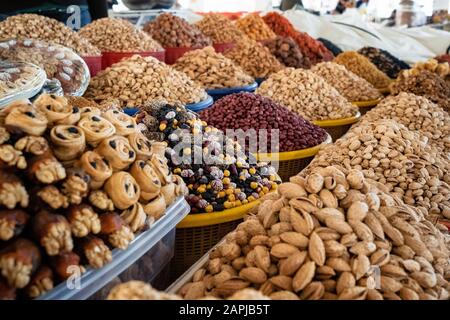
335 50
319 237
176 35
254 27
287 52
254 58
74 185
311 48
384 61
363 68
58 62
151 80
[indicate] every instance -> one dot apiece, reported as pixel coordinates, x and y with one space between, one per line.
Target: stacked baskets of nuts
75 183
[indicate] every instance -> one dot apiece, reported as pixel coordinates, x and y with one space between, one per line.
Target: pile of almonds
416 113
424 83
307 94
254 58
175 32
362 67
137 80
348 84
400 159
219 28
39 27
118 35
255 27
212 70
287 52
329 235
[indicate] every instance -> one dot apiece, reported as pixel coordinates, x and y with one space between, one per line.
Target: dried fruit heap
212 70
254 27
288 52
311 48
251 111
327 236
384 61
219 28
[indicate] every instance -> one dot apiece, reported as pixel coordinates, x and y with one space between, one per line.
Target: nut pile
255 28
34 26
424 83
384 61
254 58
362 67
223 178
311 48
286 50
251 111
327 236
400 159
348 84
212 70
118 35
174 32
57 61
307 94
137 80
219 28
416 113
74 183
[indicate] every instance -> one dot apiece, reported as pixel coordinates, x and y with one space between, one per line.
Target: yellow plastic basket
292 162
365 106
337 128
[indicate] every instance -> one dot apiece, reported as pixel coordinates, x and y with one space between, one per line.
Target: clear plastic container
155 245
19 80
58 62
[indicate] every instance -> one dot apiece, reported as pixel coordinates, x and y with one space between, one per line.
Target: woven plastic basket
365 106
292 162
197 233
337 128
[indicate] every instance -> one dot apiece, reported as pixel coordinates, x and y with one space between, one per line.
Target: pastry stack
75 182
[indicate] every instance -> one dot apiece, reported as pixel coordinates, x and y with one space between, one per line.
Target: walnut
12 157
53 197
101 200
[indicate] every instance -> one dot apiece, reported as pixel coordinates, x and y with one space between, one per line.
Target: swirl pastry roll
83 220
118 233
168 192
41 282
76 185
32 144
96 129
18 261
12 191
117 151
46 168
53 197
68 141
96 167
12 223
26 119
159 148
101 200
180 187
141 145
156 208
122 189
135 217
65 264
162 169
57 109
53 232
11 157
95 251
124 124
90 111
146 177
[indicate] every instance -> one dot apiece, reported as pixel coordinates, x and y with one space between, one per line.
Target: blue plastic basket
260 80
220 93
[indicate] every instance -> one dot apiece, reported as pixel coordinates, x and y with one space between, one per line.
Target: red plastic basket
173 54
110 58
222 47
94 64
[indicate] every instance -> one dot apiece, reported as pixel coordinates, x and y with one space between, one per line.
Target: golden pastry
101 200
122 189
76 185
46 168
159 148
141 145
168 192
135 217
90 111
123 123
32 144
96 129
156 208
161 168
117 151
147 179
83 220
68 141
96 167
26 119
12 191
57 109
180 187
